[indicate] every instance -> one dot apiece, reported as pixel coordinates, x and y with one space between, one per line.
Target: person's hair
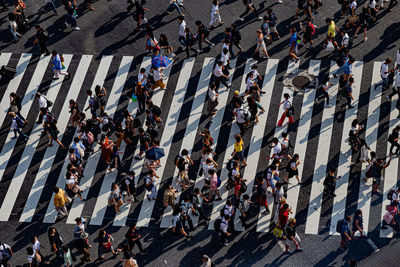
286 95
65 248
238 138
225 50
328 20
219 62
284 134
351 80
388 60
246 197
333 170
325 80
348 218
184 152
358 211
12 16
227 217
211 171
56 189
29 250
229 202
275 140
181 17
285 206
292 221
215 2
196 190
89 92
102 233
37 26
198 22
50 230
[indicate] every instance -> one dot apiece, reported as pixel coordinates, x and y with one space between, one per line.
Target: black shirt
329 180
40 36
290 232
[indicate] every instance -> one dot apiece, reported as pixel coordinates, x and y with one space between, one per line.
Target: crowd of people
99 128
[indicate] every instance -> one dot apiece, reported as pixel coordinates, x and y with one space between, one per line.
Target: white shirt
250 82
141 78
277 149
70 181
206 167
228 210
240 115
345 40
13 23
384 68
372 4
224 58
182 27
353 4
255 74
214 10
36 246
31 257
224 225
218 71
286 104
224 45
398 58
157 74
42 102
285 143
212 94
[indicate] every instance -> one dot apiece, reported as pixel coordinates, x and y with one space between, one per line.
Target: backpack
339 225
229 165
246 115
20 123
243 187
217 225
6 253
156 111
51 117
222 211
178 159
390 195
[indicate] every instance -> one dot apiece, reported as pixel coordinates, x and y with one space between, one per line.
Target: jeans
15 34
182 40
70 19
247 11
173 6
50 5
43 48
19 132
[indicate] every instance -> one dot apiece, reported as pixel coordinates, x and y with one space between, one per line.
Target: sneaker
366 38
226 244
212 44
76 29
241 19
279 2
259 18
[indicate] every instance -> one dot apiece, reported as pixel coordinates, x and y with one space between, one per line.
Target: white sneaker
212 44
279 2
76 29
241 19
67 24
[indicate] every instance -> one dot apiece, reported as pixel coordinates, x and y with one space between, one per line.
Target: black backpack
5 252
45 35
243 187
217 225
339 225
390 195
156 111
96 103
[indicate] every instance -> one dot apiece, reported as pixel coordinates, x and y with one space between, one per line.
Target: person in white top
385 73
288 110
5 250
220 76
397 64
396 86
225 58
224 230
182 35
13 27
212 99
345 41
353 7
42 101
158 79
215 15
16 125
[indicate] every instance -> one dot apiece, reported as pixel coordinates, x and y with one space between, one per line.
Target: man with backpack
16 125
223 229
5 254
346 43
288 110
293 49
42 37
340 60
94 104
244 208
202 34
144 139
186 206
271 19
347 92
242 118
150 183
342 226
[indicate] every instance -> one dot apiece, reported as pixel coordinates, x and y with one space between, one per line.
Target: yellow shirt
332 29
239 146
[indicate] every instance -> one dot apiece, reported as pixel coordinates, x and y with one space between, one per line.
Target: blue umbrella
161 61
155 153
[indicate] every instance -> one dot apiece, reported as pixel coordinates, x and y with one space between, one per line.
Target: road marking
166 139
49 157
258 133
191 127
264 220
102 199
99 78
339 202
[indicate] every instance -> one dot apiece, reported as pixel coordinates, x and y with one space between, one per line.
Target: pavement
109 30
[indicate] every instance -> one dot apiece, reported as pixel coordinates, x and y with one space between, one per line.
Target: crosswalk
321 129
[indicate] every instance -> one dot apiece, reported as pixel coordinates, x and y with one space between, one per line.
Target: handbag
108 246
128 199
75 189
131 263
277 232
329 47
388 217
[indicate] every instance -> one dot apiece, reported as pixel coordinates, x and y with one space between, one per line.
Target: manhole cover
300 81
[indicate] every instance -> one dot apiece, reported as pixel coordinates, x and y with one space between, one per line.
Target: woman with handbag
115 198
55 241
389 217
151 41
53 134
71 183
105 245
75 113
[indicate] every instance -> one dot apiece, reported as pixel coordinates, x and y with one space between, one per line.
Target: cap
236 93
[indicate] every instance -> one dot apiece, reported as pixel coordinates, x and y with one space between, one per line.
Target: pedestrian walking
104 239
138 16
173 5
347 92
332 29
344 230
215 15
214 185
385 71
309 32
357 224
150 182
158 78
16 125
390 216
182 162
249 6
55 241
377 171
189 42
293 49
287 110
42 37
58 65
291 236
224 231
6 254
220 76
242 118
330 183
60 200
133 239
115 197
272 23
70 19
393 140
51 128
323 90
182 35
363 22
260 46
66 252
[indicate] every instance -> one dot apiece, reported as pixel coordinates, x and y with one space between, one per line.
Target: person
345 232
293 49
60 199
283 216
213 185
347 69
385 73
348 91
186 207
363 21
36 248
393 138
224 232
332 28
33 258
291 236
6 254
57 62
72 187
271 20
357 224
323 90
70 19
309 32
53 134
345 43
219 76
13 27
288 110
244 209
198 199
238 149
389 217
128 185
236 37
292 168
207 262
212 99
16 106
138 16
203 35
249 6
215 15
173 5
81 241
330 183
396 86
260 45
67 256
261 194
182 162
353 7
182 35
55 241
189 42
158 78
105 245
150 181
16 125
242 118
43 104
133 239
115 198
376 171
101 93
177 222
41 37
170 195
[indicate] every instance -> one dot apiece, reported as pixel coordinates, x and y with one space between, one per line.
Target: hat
236 93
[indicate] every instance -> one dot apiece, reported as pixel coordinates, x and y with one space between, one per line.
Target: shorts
240 155
293 173
333 39
377 181
288 242
273 29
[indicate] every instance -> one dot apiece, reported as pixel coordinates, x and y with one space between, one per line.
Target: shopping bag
134 98
329 47
277 232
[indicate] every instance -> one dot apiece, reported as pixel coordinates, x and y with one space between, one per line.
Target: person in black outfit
236 37
249 6
134 238
189 42
391 4
141 94
330 183
229 40
393 138
41 37
3 4
203 34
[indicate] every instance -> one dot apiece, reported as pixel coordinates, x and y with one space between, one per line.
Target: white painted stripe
101 203
4 58
264 220
29 151
7 149
371 136
217 206
391 172
190 134
120 218
321 159
49 157
101 74
168 133
94 159
258 133
339 202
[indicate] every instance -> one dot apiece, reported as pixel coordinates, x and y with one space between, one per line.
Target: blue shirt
56 63
345 228
347 68
75 147
272 19
293 40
